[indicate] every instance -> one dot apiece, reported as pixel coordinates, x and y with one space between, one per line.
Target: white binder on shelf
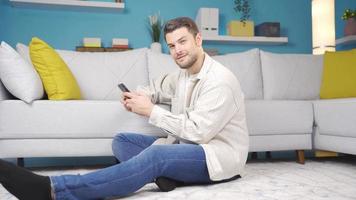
207 21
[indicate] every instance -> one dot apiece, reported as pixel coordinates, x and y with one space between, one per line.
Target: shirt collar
205 68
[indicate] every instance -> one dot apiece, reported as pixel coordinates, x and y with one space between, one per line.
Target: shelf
246 40
100 49
70 4
346 40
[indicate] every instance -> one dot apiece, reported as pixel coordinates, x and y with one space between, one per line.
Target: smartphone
123 87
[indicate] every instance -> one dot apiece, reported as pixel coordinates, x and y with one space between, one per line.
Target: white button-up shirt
207 109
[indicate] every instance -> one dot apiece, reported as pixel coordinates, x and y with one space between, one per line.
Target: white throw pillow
291 76
18 76
247 68
160 64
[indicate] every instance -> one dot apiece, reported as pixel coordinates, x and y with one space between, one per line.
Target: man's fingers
129 95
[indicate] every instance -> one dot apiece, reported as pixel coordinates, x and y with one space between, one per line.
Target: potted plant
243 27
155 27
243 7
350 17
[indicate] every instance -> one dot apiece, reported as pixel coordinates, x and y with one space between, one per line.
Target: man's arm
162 89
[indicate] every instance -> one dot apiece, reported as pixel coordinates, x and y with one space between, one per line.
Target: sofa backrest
247 68
98 74
159 64
291 76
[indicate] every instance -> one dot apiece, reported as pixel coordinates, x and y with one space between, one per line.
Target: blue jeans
141 163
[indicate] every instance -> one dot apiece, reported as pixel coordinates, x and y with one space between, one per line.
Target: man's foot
24 184
166 184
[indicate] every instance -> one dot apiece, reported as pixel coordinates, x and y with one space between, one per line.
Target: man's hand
138 103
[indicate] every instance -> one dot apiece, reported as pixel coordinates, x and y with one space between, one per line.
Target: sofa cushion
69 119
339 75
58 80
279 117
98 74
336 117
291 76
247 68
18 76
160 64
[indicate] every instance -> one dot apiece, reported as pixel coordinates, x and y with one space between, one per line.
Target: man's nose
178 49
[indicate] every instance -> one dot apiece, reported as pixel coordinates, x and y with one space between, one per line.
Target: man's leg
127 145
183 162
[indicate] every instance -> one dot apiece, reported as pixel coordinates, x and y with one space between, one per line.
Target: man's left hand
138 103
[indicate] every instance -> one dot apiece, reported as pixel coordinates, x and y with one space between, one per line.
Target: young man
207 138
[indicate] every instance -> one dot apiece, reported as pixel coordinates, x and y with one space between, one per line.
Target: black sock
24 184
166 184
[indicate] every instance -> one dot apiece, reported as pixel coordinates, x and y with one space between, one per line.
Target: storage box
92 42
237 28
268 29
207 21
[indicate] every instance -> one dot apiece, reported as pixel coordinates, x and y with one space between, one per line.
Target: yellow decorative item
237 28
339 75
58 80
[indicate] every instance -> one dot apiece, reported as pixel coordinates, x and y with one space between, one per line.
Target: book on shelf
92 42
120 46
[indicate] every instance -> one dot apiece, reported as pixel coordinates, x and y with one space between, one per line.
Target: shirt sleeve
162 89
213 109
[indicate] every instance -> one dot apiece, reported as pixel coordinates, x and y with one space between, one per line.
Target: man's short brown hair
180 22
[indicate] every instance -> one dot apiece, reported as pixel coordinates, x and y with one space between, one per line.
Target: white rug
263 180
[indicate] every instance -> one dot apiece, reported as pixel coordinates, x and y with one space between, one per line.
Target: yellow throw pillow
58 80
339 75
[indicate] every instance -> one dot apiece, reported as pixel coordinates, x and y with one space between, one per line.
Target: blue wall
65 29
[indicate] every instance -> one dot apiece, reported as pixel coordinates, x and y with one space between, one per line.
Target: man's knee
117 143
121 137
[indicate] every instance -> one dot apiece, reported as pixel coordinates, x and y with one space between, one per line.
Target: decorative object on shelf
268 29
323 23
243 27
350 17
120 43
238 28
243 7
91 42
155 27
207 21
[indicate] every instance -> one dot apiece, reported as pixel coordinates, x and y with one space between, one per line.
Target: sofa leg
254 155
300 156
21 162
268 155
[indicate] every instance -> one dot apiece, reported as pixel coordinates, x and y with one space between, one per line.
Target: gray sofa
281 91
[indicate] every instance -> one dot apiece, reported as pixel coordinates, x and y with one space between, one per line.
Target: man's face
183 47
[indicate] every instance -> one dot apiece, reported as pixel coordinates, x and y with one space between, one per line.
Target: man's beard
191 59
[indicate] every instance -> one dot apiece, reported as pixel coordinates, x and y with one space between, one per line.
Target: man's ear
199 39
